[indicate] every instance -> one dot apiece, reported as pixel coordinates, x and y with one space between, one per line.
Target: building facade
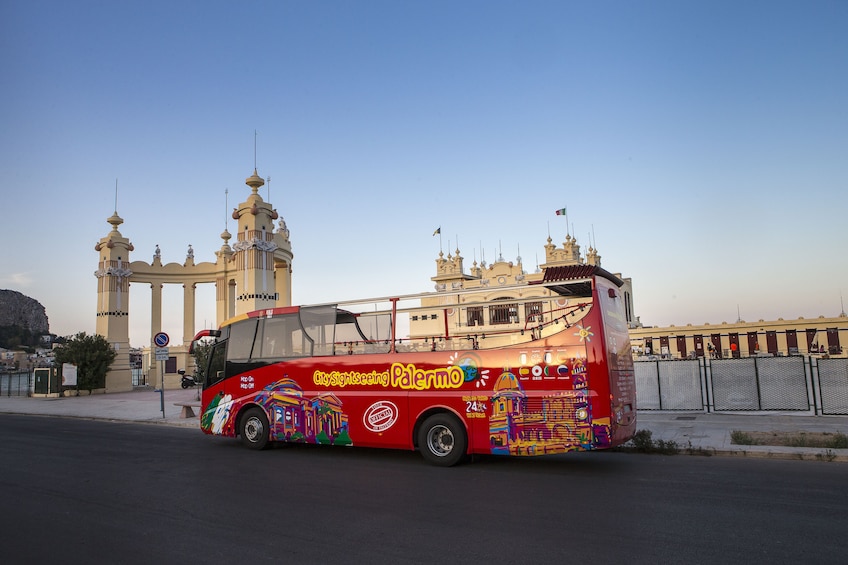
500 301
254 273
814 336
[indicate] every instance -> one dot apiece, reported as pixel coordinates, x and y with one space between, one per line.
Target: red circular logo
380 416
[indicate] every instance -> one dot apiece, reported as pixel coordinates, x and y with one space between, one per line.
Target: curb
820 454
182 423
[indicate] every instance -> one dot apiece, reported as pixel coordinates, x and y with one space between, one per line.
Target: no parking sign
161 339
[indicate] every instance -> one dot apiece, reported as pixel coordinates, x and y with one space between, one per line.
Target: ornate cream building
500 301
254 273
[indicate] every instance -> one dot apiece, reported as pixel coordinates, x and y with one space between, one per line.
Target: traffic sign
161 339
162 353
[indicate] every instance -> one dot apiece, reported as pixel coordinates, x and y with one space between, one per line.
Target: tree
201 352
92 355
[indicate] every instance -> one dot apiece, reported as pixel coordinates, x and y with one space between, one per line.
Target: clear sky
702 146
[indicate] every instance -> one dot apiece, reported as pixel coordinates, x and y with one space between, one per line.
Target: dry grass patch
828 440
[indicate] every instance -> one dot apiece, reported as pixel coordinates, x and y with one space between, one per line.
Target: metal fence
832 385
139 378
16 384
754 384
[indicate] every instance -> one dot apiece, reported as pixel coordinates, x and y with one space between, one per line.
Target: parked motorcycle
187 381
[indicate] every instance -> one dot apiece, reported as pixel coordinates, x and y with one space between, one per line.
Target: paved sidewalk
697 432
703 433
141 405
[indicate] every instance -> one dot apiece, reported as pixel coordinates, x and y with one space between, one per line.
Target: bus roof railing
554 286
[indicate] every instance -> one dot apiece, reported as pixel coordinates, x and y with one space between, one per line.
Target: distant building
500 301
814 336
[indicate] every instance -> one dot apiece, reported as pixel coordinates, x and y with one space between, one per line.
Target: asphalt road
79 491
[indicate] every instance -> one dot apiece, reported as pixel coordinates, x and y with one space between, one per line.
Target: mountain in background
23 320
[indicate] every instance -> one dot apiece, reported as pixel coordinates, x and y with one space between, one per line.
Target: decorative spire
115 220
254 181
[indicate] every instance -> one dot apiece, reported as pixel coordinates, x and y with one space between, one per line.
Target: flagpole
439 233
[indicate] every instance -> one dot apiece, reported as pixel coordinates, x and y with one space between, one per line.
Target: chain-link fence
793 383
669 385
833 385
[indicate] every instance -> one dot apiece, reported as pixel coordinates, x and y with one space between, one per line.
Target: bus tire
442 440
253 429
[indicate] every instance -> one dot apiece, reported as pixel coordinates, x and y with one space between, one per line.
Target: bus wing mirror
200 335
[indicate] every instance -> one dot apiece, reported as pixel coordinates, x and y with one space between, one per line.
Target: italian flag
560 212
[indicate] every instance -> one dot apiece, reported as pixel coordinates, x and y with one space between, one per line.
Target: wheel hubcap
253 429
440 441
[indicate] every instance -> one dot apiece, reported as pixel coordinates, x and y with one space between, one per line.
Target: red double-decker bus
559 380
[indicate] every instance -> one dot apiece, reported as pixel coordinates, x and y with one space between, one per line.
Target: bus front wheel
254 429
442 440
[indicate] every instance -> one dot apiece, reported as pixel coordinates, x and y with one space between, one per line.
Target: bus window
319 326
215 370
301 343
280 337
241 340
239 347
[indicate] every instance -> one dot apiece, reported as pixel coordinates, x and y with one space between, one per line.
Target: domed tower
508 403
259 255
113 285
282 263
224 283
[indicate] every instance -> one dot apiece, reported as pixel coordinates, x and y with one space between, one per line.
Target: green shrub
738 437
642 441
840 441
666 447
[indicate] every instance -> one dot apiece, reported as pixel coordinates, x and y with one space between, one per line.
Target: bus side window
240 346
215 371
281 337
302 343
275 338
241 340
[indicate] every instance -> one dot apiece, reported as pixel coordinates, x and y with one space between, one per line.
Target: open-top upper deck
432 321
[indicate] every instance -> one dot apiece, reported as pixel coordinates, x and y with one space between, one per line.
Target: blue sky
705 144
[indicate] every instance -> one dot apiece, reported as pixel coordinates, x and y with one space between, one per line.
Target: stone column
188 312
155 376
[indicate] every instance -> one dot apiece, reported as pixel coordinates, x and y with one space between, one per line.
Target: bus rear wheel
253 429
442 440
